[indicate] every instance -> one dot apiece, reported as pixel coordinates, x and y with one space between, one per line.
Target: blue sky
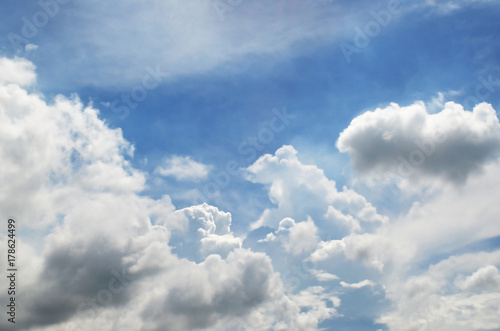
294 145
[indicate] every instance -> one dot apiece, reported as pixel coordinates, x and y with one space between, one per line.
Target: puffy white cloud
484 279
373 250
408 142
299 190
17 71
55 154
296 238
203 230
183 168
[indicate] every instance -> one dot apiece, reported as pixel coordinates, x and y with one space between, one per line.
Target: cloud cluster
299 190
460 291
105 256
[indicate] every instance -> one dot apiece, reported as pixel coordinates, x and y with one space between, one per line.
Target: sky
251 165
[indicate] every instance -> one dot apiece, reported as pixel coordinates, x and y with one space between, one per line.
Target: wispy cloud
183 168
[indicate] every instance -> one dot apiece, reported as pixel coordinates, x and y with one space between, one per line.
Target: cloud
299 190
484 279
183 168
361 284
408 142
430 301
204 230
373 250
296 238
323 276
447 7
459 292
17 71
182 38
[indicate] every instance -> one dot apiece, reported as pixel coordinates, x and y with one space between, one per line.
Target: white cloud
484 279
373 250
323 276
296 238
183 168
408 142
17 71
358 285
206 229
299 190
30 47
430 301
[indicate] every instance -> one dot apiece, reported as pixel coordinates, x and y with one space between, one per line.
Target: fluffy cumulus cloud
299 190
296 238
17 71
484 279
105 256
204 230
183 168
408 142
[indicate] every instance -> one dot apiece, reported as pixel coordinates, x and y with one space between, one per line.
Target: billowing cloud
296 238
204 230
183 168
484 279
105 256
408 142
299 190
